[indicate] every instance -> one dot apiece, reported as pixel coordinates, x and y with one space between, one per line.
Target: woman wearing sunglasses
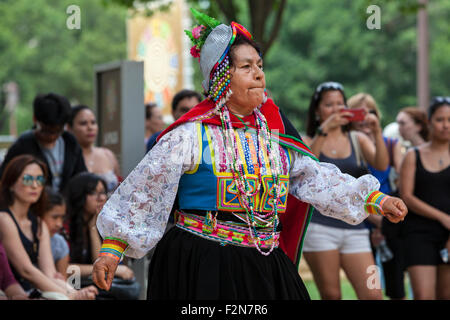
329 243
25 237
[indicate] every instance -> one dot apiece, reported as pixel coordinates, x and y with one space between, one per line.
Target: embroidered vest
207 187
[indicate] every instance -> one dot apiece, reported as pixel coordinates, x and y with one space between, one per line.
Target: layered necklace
247 193
220 92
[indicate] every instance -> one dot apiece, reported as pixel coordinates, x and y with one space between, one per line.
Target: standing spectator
425 188
48 141
153 120
55 212
101 161
86 195
25 237
384 233
329 243
413 125
182 102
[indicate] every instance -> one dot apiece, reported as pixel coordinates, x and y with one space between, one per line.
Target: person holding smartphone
383 232
331 245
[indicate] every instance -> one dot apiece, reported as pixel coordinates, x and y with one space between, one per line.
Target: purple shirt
6 276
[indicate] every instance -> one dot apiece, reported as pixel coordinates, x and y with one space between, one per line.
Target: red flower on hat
195 52
196 32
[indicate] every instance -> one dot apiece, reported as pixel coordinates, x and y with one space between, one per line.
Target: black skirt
187 267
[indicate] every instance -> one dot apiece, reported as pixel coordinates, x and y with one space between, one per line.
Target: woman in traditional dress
235 169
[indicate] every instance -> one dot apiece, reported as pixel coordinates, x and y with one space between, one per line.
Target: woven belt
223 232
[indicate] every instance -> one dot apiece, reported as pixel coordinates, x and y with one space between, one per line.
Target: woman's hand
104 266
59 276
88 293
124 272
394 209
335 120
373 123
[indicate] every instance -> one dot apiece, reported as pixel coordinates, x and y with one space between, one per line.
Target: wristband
321 133
113 247
374 202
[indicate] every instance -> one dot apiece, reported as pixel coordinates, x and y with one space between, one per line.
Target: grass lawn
346 289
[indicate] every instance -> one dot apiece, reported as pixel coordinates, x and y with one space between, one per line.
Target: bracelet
321 133
374 202
113 247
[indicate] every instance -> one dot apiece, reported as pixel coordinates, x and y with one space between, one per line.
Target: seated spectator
101 161
182 102
55 212
25 237
86 195
9 284
48 141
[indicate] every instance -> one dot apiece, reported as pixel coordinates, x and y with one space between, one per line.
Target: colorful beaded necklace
246 194
220 92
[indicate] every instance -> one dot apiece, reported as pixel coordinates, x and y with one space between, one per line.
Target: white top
138 210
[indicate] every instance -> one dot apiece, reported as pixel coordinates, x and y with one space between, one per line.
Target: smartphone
358 114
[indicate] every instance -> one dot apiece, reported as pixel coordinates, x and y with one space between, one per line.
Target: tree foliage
41 54
264 17
318 40
329 41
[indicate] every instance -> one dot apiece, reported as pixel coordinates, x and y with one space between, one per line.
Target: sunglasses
440 100
29 179
327 86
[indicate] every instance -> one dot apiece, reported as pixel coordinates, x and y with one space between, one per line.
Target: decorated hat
212 41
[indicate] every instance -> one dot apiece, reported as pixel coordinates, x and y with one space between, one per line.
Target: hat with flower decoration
212 41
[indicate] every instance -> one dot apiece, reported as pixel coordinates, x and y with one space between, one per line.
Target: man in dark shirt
182 102
49 142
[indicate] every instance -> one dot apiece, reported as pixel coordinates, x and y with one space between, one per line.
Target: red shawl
296 218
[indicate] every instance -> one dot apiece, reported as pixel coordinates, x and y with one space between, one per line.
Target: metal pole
423 89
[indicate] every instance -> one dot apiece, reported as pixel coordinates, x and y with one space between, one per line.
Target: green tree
41 54
264 17
329 41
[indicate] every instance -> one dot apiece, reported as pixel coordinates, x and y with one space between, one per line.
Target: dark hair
76 193
51 109
436 103
241 40
183 94
12 173
148 110
419 117
311 123
74 111
54 198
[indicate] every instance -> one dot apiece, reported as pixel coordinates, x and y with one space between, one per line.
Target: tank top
30 246
347 165
434 189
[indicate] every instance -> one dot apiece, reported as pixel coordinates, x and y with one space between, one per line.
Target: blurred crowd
54 181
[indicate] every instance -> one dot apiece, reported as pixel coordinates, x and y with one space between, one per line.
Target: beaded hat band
212 41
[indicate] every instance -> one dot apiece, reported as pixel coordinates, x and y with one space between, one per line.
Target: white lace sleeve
138 210
330 191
